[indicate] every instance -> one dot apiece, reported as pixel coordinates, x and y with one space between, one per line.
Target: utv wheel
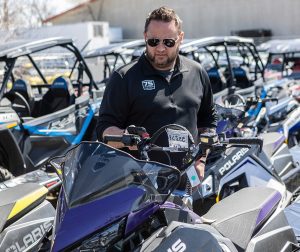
5 174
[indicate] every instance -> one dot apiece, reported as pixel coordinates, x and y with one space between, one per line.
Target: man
160 87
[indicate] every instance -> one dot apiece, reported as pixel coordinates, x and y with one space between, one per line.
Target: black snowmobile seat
239 216
59 96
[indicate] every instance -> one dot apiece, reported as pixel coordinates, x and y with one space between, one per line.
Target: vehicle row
248 200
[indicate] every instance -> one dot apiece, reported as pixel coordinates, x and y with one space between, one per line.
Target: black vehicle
43 110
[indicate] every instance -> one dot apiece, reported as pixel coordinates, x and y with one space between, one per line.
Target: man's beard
165 64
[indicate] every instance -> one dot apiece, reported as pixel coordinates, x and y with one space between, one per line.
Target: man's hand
113 130
200 168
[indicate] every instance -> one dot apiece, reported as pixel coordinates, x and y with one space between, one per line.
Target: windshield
94 170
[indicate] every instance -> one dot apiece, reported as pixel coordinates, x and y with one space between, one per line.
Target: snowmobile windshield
94 170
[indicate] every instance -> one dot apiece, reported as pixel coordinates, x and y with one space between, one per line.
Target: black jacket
138 94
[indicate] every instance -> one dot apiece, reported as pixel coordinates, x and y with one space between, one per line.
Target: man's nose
160 47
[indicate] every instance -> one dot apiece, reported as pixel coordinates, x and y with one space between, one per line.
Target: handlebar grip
112 138
247 140
126 139
264 100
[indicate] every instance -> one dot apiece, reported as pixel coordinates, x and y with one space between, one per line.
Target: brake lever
140 131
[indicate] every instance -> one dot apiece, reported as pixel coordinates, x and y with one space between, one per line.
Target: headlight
247 132
101 241
207 186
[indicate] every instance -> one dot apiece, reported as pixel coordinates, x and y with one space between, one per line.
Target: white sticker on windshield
177 139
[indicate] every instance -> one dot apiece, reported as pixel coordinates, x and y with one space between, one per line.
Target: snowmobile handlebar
210 141
244 141
254 100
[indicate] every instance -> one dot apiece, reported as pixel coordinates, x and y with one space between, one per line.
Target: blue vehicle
39 120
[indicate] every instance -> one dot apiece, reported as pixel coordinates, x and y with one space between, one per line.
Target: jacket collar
148 69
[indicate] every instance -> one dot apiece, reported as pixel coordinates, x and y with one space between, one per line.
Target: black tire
5 174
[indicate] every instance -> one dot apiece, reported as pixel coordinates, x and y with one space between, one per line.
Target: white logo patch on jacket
148 84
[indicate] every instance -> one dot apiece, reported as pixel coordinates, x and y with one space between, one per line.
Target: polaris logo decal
148 84
30 239
230 163
59 84
19 85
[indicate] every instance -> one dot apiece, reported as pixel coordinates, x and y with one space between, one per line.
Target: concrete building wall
89 34
201 18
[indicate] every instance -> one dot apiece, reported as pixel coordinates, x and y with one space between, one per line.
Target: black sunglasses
155 42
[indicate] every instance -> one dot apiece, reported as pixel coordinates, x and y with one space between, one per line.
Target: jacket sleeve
207 116
114 105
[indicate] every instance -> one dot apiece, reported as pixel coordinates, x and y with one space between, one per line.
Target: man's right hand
113 130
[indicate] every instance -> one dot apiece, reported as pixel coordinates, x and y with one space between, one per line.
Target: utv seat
296 66
241 77
22 87
21 97
59 96
295 71
217 80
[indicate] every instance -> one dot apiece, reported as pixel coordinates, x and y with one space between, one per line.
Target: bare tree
23 14
17 15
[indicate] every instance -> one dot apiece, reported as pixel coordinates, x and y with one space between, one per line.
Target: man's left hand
200 168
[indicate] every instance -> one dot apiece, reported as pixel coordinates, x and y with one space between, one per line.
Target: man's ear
181 35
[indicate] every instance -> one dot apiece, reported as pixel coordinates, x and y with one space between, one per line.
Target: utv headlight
102 240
